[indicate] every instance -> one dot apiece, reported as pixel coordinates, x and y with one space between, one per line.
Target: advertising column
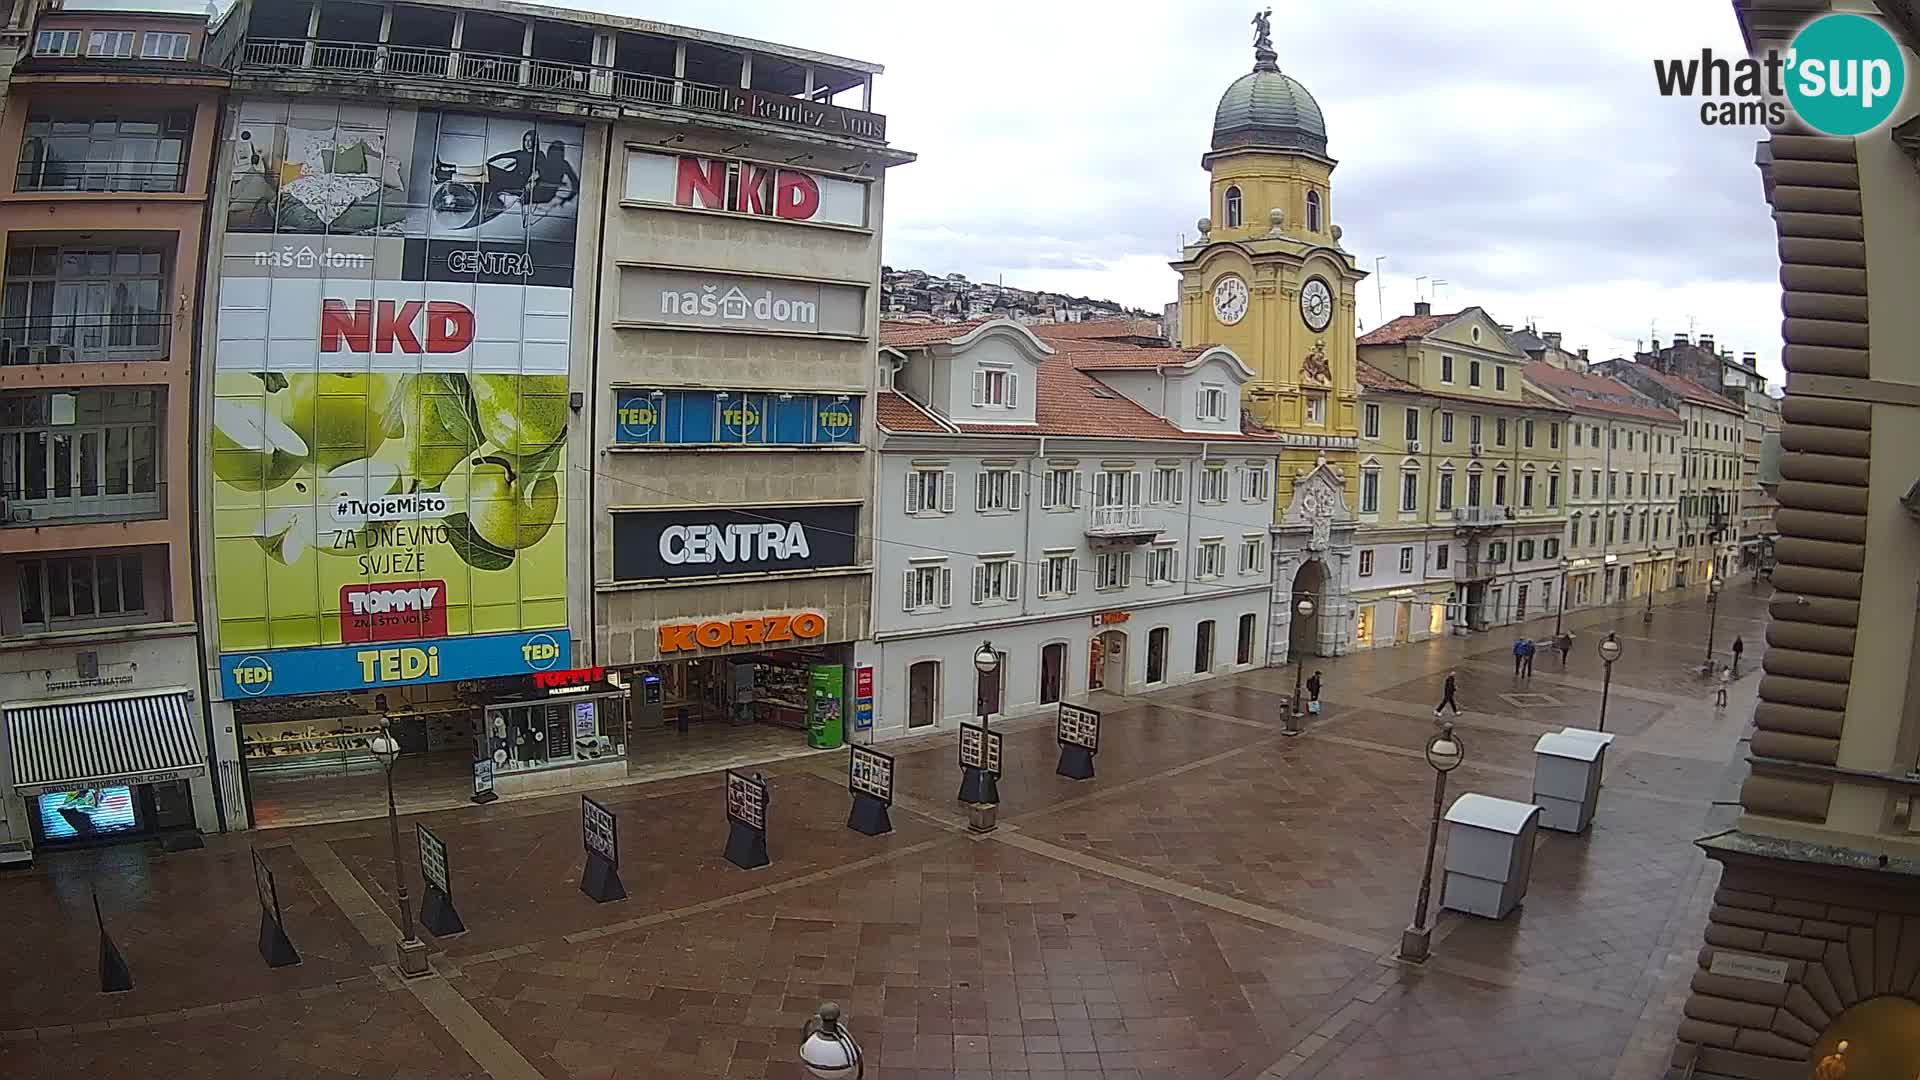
391 399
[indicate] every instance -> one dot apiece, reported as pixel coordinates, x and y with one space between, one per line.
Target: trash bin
1603 738
1566 780
1489 854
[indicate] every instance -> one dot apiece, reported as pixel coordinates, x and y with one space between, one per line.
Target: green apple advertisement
388 431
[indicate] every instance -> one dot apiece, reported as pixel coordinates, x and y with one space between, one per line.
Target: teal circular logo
1845 74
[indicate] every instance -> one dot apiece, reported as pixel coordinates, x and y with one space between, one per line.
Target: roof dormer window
995 387
1233 212
1213 403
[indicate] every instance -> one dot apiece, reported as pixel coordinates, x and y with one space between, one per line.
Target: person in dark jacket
1446 697
1565 644
1519 655
1313 692
1526 657
1738 648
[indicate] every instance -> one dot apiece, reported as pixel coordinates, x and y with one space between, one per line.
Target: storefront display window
71 815
562 730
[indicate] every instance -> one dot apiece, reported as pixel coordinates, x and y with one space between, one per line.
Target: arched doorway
1053 672
923 694
1876 1039
1309 583
1107 661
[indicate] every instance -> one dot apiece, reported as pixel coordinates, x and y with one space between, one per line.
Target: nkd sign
733 302
744 187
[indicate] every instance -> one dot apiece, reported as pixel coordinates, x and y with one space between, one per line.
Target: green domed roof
1266 107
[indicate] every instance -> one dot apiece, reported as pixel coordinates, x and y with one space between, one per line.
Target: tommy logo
393 611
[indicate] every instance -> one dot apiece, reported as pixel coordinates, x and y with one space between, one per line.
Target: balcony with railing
1122 523
538 56
85 338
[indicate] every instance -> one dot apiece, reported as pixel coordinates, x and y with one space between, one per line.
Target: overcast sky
1516 149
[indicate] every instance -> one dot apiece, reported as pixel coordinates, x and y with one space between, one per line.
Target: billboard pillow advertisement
391 396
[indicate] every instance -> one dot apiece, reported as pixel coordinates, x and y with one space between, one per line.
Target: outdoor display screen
69 815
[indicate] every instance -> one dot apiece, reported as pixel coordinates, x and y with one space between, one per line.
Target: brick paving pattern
1221 901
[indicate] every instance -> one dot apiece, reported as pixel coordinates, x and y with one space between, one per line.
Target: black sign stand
870 779
437 912
483 792
747 801
114 976
275 947
1078 731
601 832
978 784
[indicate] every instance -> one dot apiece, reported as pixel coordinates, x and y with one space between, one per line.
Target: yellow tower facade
1267 278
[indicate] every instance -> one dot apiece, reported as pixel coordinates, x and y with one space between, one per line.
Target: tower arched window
1313 211
1233 208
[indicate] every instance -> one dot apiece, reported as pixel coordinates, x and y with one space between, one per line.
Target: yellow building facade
1267 278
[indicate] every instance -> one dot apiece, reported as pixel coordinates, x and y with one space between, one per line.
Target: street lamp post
1445 752
412 951
1713 621
1610 650
827 1049
1305 610
986 662
1559 614
1653 563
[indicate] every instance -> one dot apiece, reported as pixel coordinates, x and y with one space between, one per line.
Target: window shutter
1077 488
980 490
1016 488
1179 486
946 586
979 581
913 492
906 592
1013 389
1013 580
1133 488
1073 575
946 491
979 387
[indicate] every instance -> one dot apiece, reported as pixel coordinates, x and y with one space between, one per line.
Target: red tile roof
1590 393
1404 327
1687 388
899 413
1109 329
1374 379
1072 402
909 335
1101 355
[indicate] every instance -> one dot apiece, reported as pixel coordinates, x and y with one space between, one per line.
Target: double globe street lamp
412 951
1304 609
1445 752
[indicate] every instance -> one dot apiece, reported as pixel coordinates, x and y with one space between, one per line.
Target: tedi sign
651 544
1843 75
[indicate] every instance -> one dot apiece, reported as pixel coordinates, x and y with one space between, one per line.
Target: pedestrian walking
1720 697
1313 693
1526 658
1565 644
1519 655
1738 648
1446 697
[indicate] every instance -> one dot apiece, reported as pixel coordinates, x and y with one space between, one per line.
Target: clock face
1316 304
1230 299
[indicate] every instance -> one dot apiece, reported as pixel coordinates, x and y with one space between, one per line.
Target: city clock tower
1267 278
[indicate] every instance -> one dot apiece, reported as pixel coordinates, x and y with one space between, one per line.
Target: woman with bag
1313 694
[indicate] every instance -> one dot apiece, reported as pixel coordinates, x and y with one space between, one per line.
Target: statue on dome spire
1264 58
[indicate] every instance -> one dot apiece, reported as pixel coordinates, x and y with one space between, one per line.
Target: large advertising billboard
391 394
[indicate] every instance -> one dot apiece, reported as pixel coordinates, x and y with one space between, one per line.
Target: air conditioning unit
15 515
1475 449
1413 446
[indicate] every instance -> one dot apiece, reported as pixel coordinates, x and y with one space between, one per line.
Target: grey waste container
1602 738
1566 781
1489 854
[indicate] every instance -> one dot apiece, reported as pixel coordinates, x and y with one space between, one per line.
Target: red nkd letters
702 183
387 326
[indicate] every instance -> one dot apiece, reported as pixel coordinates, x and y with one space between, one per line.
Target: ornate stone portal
1311 546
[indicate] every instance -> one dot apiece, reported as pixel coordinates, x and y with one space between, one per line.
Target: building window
996 387
1576 480
1446 368
1613 438
1553 490
1316 408
1409 491
1059 574
85 303
929 491
1593 530
1369 491
1613 484
158 46
1497 551
1500 489
81 453
1526 434
1213 403
1499 376
1211 558
1446 491
1473 373
1499 431
1253 483
997 489
996 579
1525 551
1442 555
1169 485
1213 484
1370 417
1526 491
1061 490
57 43
1473 430
1413 425
1609 528
1366 562
110 44
1313 211
1550 548
927 587
1553 436
1232 210
1406 560
55 591
1112 569
1576 433
1473 489
1163 564
1446 427
1253 553
1629 485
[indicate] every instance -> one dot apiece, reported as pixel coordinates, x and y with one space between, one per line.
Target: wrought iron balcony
84 339
1127 524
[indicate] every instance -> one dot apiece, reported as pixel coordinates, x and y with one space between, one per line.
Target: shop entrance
923 690
1053 671
769 703
1107 661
